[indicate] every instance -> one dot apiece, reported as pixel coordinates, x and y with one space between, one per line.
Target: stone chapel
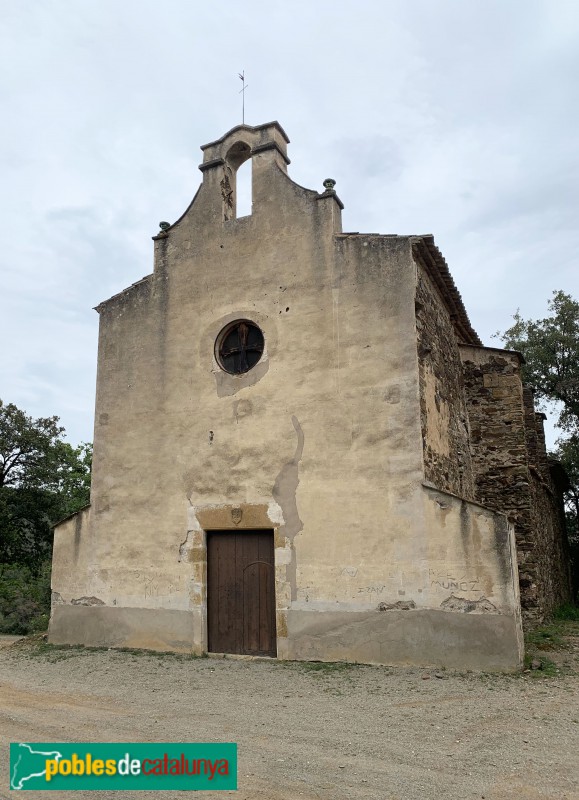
303 450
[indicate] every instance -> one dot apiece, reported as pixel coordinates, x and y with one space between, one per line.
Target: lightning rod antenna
242 93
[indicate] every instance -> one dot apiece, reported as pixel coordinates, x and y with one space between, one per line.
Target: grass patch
552 635
326 667
53 652
547 637
39 648
549 641
548 667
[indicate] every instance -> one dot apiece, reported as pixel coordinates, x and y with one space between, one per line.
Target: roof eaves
70 516
425 250
104 303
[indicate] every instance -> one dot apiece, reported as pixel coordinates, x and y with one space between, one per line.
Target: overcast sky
452 117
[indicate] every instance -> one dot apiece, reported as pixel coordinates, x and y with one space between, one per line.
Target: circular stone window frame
224 333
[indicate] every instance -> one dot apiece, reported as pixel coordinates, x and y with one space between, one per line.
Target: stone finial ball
329 184
164 226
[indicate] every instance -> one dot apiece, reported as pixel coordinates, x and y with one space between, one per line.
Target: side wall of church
512 473
548 572
443 414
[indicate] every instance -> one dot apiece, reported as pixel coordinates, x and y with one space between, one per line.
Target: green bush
567 612
24 598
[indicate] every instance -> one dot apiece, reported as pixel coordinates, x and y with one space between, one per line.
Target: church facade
302 449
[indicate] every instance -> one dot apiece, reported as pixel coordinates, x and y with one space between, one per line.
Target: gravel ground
308 731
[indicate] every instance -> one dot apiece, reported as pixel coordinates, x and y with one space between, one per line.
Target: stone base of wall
418 637
105 626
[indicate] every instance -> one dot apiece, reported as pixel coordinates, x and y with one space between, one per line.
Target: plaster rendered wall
320 442
460 606
72 557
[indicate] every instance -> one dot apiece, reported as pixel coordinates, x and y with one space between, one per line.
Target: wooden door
241 592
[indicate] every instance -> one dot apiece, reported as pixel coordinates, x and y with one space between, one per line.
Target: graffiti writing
155 584
449 581
463 586
351 572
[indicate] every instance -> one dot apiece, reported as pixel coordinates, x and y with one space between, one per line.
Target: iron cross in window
241 347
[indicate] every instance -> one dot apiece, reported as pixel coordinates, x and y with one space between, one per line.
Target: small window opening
243 187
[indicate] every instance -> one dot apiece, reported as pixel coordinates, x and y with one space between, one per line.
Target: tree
568 454
72 476
42 480
550 347
26 518
28 448
24 598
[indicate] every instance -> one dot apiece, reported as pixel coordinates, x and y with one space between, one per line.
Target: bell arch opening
239 161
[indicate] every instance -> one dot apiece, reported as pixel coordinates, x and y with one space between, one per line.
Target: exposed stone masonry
513 475
445 434
549 563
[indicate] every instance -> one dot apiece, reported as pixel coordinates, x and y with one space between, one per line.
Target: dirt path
308 731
